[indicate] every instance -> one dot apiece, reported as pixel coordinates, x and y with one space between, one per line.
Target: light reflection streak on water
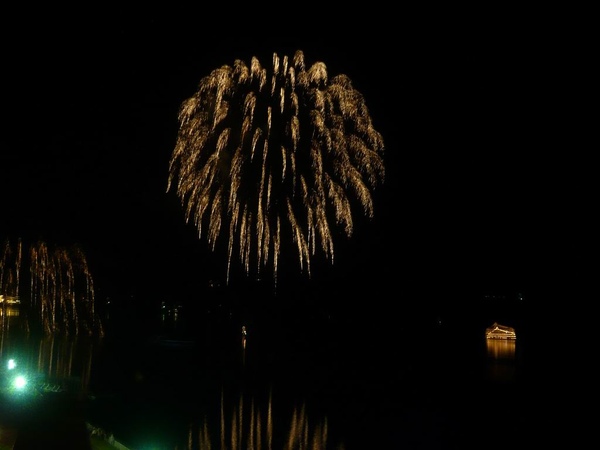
501 348
247 427
501 355
242 422
61 362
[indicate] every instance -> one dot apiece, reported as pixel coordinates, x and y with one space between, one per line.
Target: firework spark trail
61 287
257 150
63 284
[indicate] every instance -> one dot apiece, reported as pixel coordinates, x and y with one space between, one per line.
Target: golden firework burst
268 156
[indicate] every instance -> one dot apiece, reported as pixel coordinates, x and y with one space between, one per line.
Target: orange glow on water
501 348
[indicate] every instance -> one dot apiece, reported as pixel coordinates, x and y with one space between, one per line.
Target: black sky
90 120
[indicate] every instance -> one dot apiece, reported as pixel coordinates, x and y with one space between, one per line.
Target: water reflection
248 426
188 416
233 392
8 312
500 349
501 364
54 362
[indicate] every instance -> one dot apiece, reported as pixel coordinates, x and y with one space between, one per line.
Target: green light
19 382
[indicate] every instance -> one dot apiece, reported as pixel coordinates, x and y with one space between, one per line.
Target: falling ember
61 294
274 156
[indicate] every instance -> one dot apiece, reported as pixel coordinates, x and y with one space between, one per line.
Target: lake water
430 383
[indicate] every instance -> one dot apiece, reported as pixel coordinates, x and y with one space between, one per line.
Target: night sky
90 120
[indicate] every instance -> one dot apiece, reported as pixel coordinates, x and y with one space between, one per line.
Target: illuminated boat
9 305
9 300
497 331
